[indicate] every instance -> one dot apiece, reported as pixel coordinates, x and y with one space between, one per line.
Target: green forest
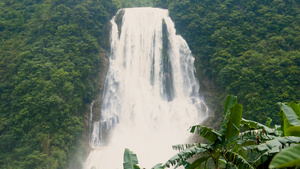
50 56
48 62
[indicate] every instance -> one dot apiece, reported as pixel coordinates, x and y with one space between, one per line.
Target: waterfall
150 96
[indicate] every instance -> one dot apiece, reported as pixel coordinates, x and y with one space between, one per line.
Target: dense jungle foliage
48 63
250 48
136 3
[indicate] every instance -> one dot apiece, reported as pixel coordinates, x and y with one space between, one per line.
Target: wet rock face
96 107
214 98
96 103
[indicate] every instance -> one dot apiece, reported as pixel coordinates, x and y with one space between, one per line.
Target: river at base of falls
150 96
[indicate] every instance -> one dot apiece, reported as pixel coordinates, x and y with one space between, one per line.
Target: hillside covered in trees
249 48
48 62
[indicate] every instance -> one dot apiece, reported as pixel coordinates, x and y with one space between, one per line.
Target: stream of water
151 94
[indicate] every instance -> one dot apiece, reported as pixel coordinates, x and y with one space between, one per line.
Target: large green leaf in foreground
130 160
206 132
231 124
230 101
237 160
287 158
290 118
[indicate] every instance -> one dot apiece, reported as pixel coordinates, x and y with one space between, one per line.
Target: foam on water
150 98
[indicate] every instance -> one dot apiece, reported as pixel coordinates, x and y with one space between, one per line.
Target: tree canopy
48 63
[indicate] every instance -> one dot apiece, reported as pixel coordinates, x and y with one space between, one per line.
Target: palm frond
206 132
253 125
184 155
237 160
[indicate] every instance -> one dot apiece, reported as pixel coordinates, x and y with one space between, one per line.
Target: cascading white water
151 95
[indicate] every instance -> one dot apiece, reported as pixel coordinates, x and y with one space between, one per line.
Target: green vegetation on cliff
250 48
136 3
49 57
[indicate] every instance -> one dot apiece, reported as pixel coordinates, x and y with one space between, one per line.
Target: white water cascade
150 96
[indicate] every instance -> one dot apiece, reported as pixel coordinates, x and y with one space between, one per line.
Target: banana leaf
230 101
270 148
253 125
184 155
268 123
237 160
181 147
158 166
275 145
289 117
231 124
294 129
197 164
130 160
206 132
296 108
288 157
254 137
261 159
